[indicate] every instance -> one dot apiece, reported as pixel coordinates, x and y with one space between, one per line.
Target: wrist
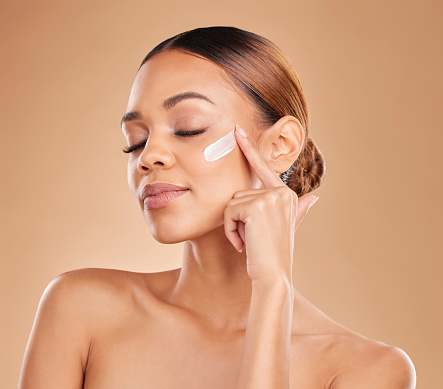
274 286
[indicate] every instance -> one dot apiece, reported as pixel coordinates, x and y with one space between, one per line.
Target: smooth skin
225 319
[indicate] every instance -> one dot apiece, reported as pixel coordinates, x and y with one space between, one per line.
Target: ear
281 143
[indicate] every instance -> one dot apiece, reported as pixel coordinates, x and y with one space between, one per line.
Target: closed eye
130 149
189 133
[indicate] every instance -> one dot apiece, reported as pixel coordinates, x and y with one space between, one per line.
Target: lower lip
162 199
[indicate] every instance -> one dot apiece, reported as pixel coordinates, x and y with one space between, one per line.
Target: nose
155 154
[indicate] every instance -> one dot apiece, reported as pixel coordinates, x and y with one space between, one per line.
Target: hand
265 220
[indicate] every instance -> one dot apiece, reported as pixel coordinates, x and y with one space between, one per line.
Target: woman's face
168 157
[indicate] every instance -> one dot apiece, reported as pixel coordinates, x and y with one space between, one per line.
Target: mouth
166 193
158 194
157 188
162 199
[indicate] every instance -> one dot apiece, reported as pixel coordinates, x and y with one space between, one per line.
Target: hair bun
307 171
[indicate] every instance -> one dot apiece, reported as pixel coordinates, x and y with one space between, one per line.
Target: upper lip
159 187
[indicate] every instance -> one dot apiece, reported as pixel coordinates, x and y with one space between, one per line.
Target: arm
266 349
57 349
264 220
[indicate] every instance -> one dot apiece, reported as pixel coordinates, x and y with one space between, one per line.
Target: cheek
220 148
132 176
134 185
228 173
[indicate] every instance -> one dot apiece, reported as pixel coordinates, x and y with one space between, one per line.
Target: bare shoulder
351 360
74 309
107 279
70 312
105 293
95 291
366 363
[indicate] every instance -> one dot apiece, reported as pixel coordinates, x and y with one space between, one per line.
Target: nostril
155 158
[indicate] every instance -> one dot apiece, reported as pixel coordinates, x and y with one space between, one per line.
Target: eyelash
179 133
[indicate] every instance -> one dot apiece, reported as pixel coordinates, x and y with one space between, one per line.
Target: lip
158 194
162 199
156 188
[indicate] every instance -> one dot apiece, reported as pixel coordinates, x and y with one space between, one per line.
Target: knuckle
232 202
286 193
260 203
273 197
238 194
282 189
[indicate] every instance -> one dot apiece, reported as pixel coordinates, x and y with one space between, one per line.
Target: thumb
304 203
312 202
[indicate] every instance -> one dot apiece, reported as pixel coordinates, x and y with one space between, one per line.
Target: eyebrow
167 104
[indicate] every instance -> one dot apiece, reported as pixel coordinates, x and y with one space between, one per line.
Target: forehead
172 72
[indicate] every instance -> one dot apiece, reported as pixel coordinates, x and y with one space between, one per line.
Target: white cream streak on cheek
220 147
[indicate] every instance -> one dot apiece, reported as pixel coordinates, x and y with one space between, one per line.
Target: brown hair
259 68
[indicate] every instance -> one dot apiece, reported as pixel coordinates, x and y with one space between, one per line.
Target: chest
173 354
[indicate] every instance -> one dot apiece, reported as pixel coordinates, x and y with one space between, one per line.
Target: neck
214 283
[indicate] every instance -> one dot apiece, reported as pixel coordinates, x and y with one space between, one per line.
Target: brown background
368 254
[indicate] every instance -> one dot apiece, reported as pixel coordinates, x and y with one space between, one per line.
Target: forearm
266 348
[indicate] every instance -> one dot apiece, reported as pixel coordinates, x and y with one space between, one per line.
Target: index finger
264 171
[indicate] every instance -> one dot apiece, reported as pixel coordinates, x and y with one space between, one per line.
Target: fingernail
310 205
240 251
242 132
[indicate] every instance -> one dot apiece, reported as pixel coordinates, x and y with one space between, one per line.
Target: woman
220 159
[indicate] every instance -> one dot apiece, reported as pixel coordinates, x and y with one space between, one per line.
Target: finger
283 192
241 231
248 192
231 221
264 171
304 203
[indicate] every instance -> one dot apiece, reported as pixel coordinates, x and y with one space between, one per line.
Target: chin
163 233
167 238
167 235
